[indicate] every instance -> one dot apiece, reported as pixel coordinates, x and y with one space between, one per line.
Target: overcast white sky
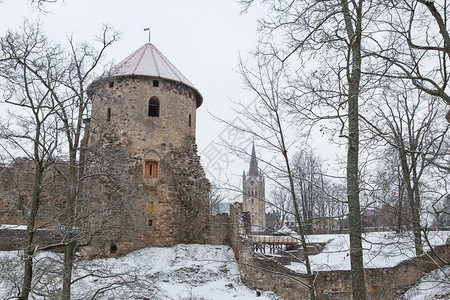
202 38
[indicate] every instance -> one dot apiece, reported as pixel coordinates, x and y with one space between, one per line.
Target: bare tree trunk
29 251
415 218
70 248
354 78
69 253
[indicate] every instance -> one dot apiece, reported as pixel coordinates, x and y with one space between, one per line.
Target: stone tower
144 115
254 195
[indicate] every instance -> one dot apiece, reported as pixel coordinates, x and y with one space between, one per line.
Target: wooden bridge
274 242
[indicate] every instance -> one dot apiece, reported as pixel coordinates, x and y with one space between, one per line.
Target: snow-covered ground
435 285
381 249
202 271
179 272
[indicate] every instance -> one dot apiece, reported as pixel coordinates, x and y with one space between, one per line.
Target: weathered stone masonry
142 127
267 274
147 109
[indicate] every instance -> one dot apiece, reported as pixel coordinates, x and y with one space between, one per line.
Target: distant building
254 195
383 218
327 225
273 221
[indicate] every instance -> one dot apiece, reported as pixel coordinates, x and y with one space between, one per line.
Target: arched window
153 107
113 249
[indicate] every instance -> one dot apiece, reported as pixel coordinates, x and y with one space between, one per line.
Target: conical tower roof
149 61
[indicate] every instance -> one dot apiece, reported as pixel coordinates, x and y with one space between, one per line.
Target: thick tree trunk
356 253
413 203
31 218
71 247
69 253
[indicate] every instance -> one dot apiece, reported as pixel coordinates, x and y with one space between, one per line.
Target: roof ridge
123 62
154 59
139 60
172 67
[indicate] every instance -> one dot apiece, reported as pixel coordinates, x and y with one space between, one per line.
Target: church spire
253 170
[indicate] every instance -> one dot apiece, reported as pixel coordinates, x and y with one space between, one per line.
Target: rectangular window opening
108 114
150 223
111 84
151 169
150 207
155 83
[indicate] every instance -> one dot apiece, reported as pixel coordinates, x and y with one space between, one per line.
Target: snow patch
179 272
380 250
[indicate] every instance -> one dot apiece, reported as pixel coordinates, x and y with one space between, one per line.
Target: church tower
254 195
144 118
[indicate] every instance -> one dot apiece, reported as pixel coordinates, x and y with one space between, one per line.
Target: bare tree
443 213
417 46
32 129
281 202
73 108
266 82
41 4
327 36
56 81
409 125
311 185
390 188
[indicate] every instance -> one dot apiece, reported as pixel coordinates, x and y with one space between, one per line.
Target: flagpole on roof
148 29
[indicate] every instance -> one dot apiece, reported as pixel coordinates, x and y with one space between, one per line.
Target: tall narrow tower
254 194
144 113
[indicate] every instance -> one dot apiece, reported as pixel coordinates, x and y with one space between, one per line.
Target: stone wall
17 185
134 210
13 239
173 206
220 230
267 274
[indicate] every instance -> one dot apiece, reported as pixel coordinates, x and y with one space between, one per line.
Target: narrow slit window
108 114
190 120
153 107
150 223
151 170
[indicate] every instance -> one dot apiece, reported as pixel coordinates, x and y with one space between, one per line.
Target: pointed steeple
253 170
